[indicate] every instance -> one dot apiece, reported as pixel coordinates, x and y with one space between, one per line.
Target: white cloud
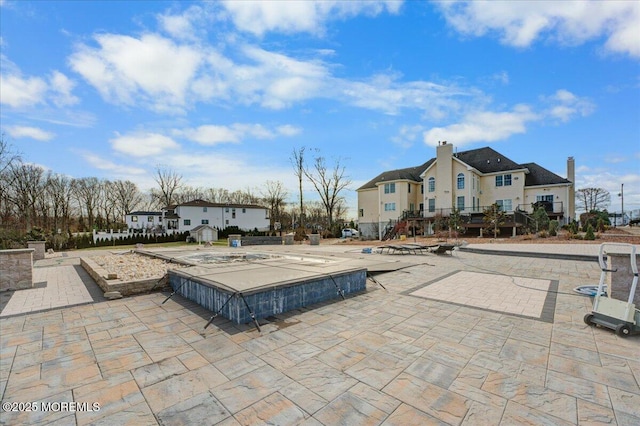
407 135
522 23
61 86
565 105
118 170
166 76
19 91
483 126
124 68
143 144
258 17
288 130
22 92
213 134
29 132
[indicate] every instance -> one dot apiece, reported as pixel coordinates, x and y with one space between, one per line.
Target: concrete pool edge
267 301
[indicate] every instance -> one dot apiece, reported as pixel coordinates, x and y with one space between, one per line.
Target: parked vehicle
349 232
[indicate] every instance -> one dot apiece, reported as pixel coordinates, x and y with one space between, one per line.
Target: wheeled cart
619 315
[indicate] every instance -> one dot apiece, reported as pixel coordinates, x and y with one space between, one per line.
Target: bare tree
59 192
87 192
593 198
329 184
7 155
274 195
297 160
169 183
127 197
217 195
25 188
7 158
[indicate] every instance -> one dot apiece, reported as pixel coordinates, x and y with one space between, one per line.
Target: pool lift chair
619 315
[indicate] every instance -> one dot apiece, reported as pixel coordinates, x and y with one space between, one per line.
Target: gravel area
133 266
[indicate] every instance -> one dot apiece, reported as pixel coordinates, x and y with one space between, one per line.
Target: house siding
479 168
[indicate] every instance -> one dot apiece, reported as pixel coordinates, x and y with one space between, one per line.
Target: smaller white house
190 215
142 221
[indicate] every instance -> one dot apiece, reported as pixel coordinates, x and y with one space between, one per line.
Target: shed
204 233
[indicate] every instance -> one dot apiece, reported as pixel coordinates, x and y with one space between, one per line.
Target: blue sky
222 92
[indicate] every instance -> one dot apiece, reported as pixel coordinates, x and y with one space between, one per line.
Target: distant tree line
36 203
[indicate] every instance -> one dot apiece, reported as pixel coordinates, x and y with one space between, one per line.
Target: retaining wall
126 288
16 269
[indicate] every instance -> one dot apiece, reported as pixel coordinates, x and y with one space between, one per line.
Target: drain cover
590 290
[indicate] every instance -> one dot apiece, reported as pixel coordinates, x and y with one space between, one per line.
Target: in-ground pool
247 286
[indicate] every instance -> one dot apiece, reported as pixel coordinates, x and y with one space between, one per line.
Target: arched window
432 184
460 180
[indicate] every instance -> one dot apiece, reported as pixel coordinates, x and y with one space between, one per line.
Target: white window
204 209
204 221
134 218
544 198
432 184
432 204
460 180
389 207
149 218
389 188
187 222
505 205
460 203
503 180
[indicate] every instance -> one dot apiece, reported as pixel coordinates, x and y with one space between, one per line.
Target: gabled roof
142 213
538 175
204 203
410 173
201 227
485 160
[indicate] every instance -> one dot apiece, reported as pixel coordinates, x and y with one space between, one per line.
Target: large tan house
469 182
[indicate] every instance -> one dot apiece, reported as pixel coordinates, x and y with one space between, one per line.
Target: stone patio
411 354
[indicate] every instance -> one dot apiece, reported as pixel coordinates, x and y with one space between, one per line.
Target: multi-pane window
149 218
460 180
205 221
389 207
460 203
390 188
503 180
432 204
204 209
134 218
187 222
505 205
432 184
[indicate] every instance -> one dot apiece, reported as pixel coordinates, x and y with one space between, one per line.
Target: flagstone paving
421 351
